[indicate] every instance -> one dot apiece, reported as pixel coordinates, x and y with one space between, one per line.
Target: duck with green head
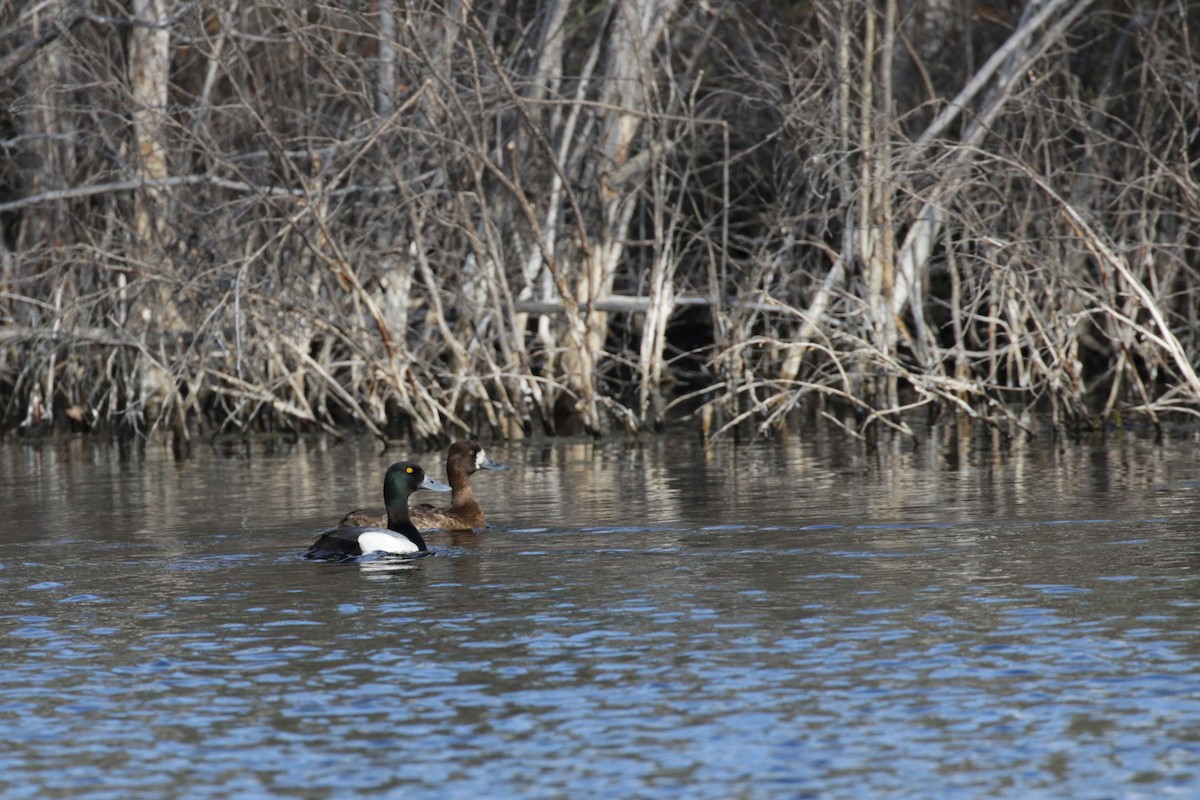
399 537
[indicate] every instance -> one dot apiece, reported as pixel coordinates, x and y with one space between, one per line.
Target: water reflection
779 619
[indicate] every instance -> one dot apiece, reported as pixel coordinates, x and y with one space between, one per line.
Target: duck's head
470 456
402 479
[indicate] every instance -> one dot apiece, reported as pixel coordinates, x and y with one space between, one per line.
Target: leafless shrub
418 220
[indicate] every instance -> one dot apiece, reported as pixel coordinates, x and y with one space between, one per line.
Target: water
809 618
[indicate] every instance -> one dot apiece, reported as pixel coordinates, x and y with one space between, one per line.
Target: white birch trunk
636 31
385 89
149 72
149 67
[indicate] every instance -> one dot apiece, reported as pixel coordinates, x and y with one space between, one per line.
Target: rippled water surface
809 618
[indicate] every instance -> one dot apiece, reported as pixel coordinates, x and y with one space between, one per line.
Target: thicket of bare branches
424 218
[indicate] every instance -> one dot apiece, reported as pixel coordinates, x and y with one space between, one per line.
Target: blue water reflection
1035 639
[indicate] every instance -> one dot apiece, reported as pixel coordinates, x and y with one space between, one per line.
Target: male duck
348 541
462 459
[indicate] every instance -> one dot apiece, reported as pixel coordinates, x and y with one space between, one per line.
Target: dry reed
550 218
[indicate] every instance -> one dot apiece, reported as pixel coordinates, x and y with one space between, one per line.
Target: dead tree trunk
154 309
629 91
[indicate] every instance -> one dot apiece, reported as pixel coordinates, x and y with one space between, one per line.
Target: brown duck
462 460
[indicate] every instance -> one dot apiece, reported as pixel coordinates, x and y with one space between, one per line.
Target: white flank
385 542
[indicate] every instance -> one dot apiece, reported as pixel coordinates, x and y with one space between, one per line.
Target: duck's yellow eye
408 470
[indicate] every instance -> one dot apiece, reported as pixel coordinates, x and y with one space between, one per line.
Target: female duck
348 541
462 460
